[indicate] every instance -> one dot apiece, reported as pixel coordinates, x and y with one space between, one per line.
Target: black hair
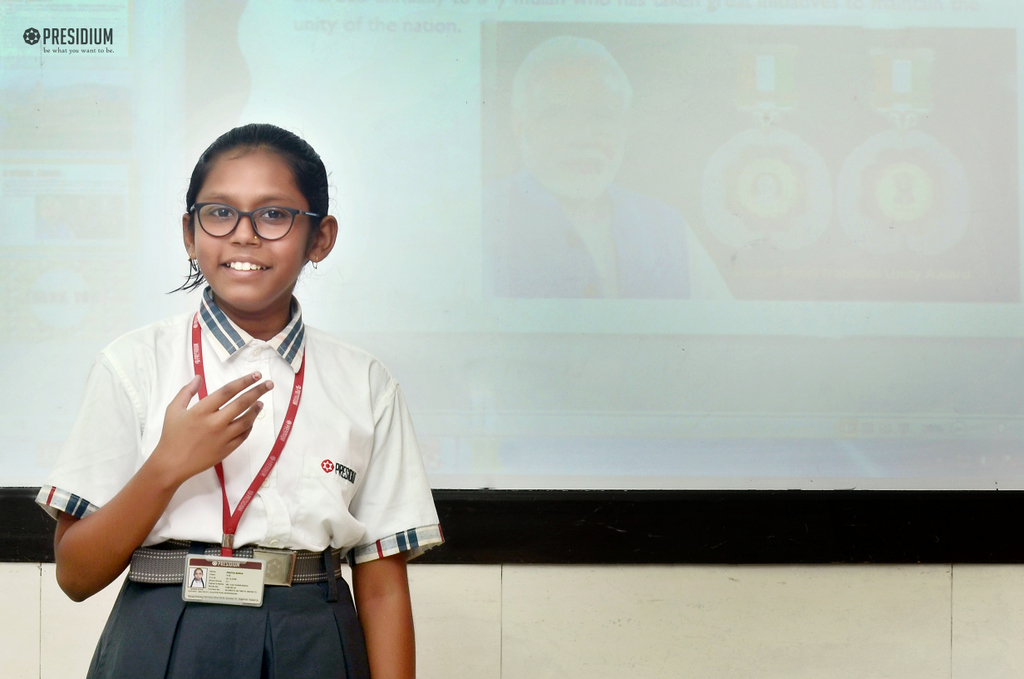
307 169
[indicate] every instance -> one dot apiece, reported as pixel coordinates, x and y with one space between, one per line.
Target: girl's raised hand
195 439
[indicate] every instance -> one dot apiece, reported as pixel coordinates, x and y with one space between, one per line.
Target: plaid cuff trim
51 497
413 542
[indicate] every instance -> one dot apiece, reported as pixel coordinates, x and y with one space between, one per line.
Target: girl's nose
245 233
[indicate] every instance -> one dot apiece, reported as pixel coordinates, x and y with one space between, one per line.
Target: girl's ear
188 235
323 241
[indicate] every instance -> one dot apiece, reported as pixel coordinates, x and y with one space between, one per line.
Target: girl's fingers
244 420
240 428
230 390
184 396
225 441
237 440
234 409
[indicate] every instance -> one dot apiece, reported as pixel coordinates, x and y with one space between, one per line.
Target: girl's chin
249 300
238 299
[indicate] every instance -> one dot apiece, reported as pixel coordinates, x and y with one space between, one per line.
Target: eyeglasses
270 223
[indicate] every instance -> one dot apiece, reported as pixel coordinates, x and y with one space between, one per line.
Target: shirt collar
227 338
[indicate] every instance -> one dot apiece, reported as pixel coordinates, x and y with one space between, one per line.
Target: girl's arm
92 551
382 600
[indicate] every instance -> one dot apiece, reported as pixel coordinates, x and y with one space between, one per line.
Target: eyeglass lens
270 222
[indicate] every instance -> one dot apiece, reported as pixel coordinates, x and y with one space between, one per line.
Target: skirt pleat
296 633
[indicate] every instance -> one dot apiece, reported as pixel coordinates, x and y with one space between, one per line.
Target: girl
150 475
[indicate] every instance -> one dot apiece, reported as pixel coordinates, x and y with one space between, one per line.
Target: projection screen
600 243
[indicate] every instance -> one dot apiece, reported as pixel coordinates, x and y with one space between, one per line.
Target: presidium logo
338 468
71 40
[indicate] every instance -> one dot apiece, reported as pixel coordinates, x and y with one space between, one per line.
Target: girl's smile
245 266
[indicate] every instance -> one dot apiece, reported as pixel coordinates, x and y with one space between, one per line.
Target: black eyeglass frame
197 207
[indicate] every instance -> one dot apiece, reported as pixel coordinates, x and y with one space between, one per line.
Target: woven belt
164 564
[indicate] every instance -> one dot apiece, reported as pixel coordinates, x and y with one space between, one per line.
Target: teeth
245 266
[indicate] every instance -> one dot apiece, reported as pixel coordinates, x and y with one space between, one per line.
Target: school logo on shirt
339 469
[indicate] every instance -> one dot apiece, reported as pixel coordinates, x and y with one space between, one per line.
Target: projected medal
766 186
903 191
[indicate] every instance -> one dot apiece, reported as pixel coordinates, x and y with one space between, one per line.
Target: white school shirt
350 475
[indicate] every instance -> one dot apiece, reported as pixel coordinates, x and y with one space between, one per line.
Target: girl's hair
307 169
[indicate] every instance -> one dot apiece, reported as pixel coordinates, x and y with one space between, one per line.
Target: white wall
485 622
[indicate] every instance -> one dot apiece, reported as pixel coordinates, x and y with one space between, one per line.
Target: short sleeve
102 452
394 502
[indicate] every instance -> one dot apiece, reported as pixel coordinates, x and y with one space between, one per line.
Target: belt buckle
280 565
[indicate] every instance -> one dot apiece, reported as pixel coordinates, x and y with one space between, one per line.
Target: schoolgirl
154 480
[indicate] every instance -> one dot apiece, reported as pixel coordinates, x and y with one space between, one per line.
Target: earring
315 262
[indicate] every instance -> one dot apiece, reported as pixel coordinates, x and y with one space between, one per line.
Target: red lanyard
231 519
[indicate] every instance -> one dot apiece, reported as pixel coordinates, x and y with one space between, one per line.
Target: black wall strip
26 532
697 527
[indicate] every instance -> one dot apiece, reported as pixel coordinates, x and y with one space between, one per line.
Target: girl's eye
219 212
273 214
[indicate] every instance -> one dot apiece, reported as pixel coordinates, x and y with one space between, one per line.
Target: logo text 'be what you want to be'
71 40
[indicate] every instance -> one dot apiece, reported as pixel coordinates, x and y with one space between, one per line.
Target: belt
164 564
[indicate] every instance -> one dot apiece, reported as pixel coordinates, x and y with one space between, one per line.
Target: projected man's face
573 128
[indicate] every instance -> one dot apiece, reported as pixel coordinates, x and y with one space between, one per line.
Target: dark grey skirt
297 632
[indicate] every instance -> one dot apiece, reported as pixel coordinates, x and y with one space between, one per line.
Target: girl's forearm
385 611
91 552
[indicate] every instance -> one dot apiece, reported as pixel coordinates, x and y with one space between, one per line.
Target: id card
223 580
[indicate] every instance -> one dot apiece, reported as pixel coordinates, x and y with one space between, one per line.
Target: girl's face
257 298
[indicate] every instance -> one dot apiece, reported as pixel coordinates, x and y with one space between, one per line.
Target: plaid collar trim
227 338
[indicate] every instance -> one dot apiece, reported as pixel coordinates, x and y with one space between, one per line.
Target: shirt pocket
333 465
337 461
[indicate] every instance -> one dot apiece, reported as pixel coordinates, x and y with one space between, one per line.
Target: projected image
65 231
66 110
766 187
837 163
57 298
561 226
79 216
74 204
902 189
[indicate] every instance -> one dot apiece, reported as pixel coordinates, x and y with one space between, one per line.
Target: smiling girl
297 453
